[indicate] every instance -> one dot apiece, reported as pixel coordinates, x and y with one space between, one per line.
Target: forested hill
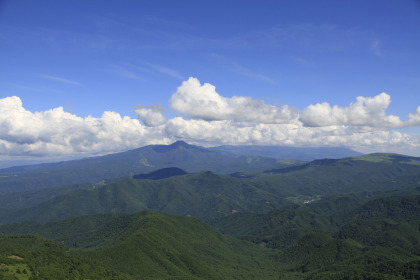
207 195
326 219
145 245
152 245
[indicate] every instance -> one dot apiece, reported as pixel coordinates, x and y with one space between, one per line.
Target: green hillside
152 245
27 199
326 219
377 172
319 256
28 257
377 240
204 195
276 229
158 246
207 195
388 222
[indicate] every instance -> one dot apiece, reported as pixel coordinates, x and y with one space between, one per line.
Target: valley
195 213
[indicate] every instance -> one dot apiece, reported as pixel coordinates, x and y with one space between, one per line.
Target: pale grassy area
388 158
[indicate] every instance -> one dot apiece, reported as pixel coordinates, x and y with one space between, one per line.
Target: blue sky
93 77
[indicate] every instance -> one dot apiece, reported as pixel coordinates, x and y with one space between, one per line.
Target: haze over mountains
186 212
142 160
299 153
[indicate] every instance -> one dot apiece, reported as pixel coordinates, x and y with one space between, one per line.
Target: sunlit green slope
34 257
159 246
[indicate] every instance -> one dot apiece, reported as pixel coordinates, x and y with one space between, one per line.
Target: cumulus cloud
198 101
366 111
206 118
414 119
151 115
56 132
228 132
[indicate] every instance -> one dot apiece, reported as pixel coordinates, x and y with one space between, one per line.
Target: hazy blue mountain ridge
143 160
285 152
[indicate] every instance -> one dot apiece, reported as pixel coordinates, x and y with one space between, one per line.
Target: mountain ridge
287 152
208 195
142 160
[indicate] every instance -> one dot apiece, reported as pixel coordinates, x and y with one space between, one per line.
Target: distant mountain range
191 158
149 158
286 152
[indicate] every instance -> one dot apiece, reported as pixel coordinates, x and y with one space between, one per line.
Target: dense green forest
160 246
350 218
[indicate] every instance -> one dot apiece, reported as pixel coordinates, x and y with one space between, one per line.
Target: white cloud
150 115
207 118
203 102
414 119
56 132
229 132
366 111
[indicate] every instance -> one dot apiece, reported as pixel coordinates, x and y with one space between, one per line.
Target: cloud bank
198 101
56 132
207 118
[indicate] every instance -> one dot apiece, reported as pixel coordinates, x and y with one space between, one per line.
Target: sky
81 78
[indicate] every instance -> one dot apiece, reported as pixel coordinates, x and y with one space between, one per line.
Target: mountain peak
179 143
174 146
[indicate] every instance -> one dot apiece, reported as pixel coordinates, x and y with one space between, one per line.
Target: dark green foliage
282 227
207 195
151 244
355 218
18 200
319 256
276 229
45 259
79 232
204 195
161 246
398 208
377 172
388 222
